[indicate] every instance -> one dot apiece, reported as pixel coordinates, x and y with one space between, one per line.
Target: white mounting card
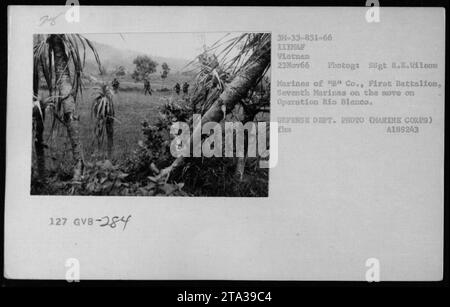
353 102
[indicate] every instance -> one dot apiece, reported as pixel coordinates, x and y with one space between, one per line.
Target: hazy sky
174 45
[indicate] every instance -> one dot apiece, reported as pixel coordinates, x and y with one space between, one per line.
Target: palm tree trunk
234 92
249 113
237 89
39 143
110 136
64 87
38 119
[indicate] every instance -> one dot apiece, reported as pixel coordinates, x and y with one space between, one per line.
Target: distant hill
112 57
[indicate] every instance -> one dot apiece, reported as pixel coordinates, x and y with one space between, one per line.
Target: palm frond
214 71
103 104
43 55
102 110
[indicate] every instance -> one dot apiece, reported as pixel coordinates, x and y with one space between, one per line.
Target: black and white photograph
104 105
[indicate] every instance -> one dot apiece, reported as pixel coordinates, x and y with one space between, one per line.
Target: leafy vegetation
119 71
144 67
103 113
164 73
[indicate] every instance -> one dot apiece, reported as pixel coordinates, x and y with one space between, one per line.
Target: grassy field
131 107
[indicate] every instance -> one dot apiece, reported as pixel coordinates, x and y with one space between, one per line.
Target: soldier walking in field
147 88
185 88
115 84
177 88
